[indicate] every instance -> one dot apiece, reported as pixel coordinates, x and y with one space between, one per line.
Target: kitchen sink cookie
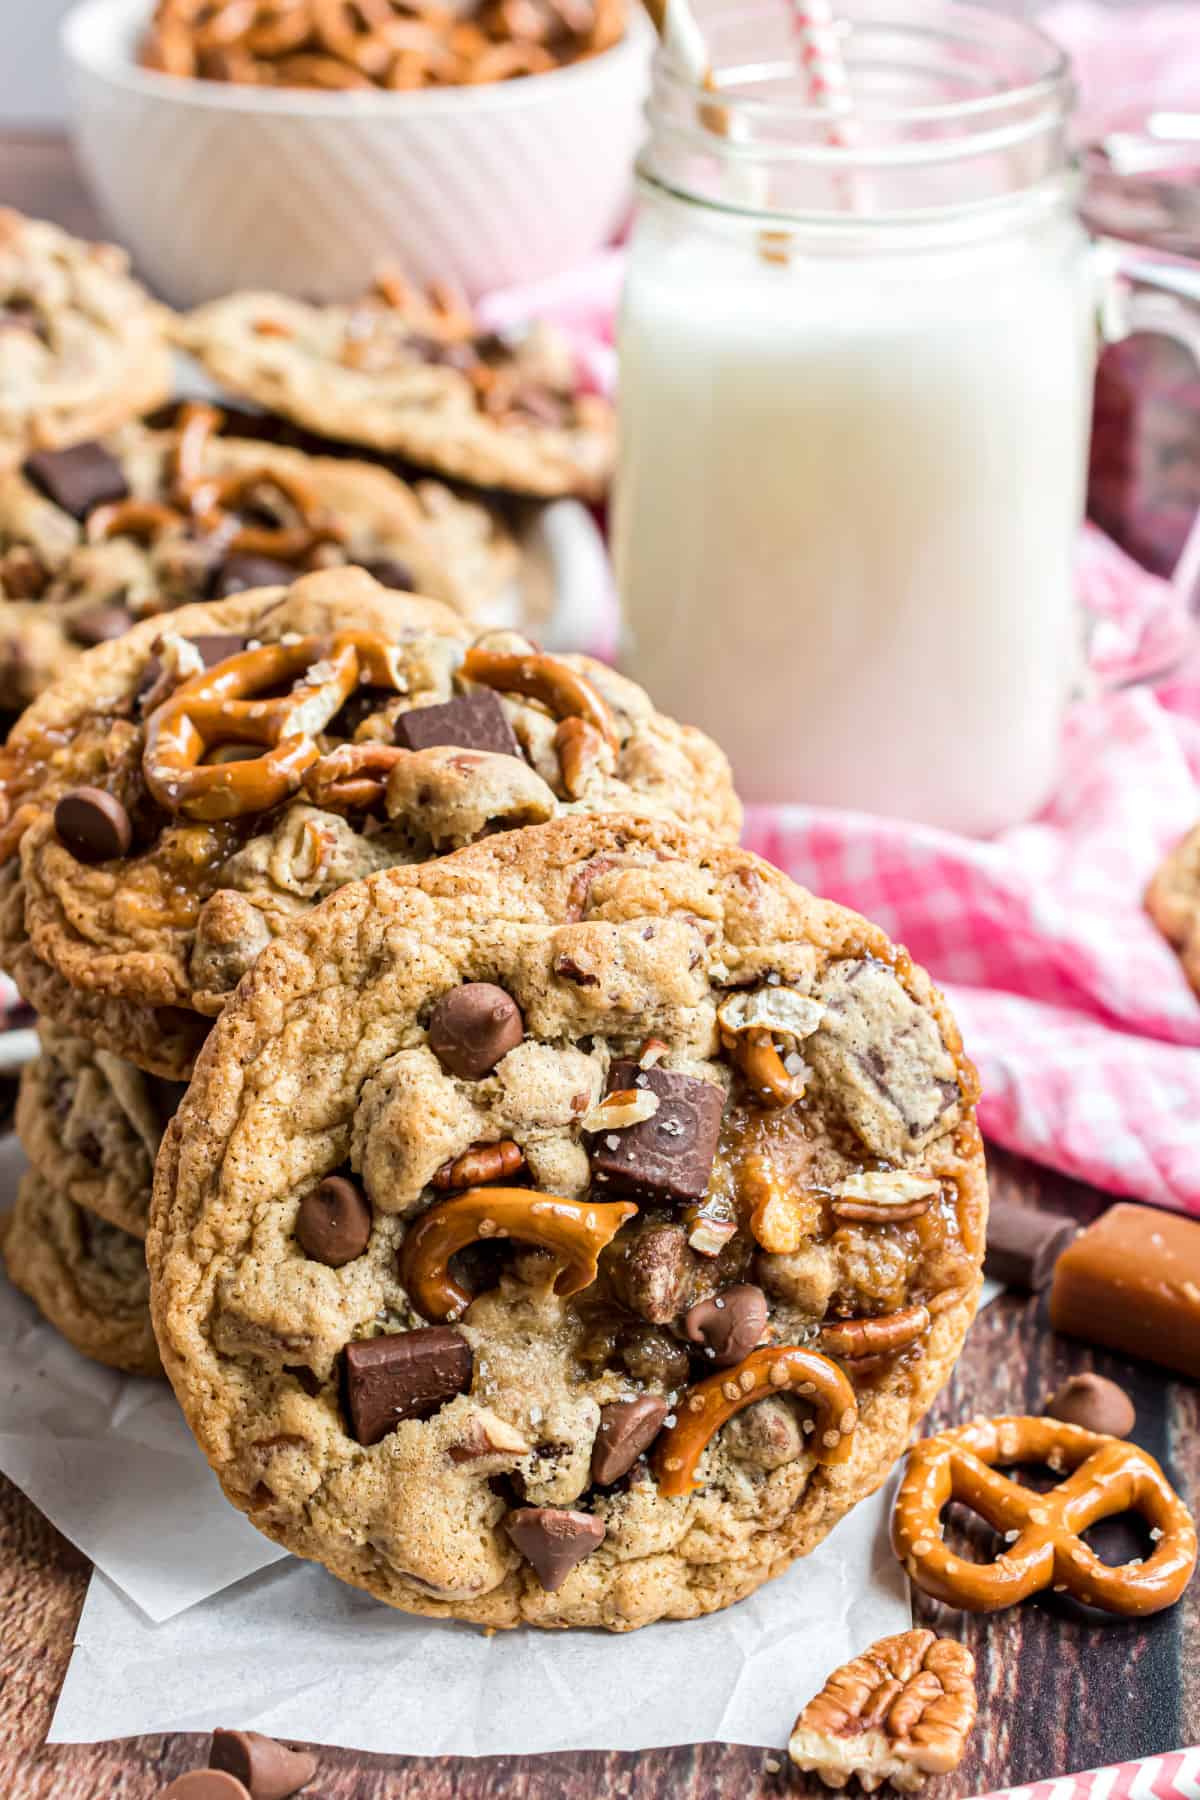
145 520
1173 902
91 1124
85 1276
570 1231
82 345
414 376
183 792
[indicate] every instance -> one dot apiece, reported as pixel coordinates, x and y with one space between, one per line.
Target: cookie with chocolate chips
182 793
1173 902
82 345
497 411
151 518
551 1364
91 1124
87 1277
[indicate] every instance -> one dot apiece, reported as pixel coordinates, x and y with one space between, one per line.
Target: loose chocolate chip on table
472 1027
99 624
239 572
729 1324
405 1375
1096 1404
668 1157
78 479
333 1224
93 825
468 722
206 1784
271 1771
553 1540
1023 1245
627 1427
390 573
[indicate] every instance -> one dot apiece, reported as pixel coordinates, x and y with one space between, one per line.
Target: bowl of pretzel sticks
297 144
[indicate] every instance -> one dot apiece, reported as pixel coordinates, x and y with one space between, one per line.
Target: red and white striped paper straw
816 32
1175 1776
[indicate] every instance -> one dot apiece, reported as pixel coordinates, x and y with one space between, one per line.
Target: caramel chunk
1131 1282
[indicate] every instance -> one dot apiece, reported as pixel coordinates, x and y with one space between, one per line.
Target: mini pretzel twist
575 1230
560 688
703 1410
580 749
285 543
762 1067
213 709
144 519
856 1338
353 776
1108 1477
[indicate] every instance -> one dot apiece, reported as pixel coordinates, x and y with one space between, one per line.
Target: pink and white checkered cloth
1086 1034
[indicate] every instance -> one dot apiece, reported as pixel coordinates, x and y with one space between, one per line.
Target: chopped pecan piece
899 1712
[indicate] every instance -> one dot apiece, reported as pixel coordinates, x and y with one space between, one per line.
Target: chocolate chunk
1023 1245
93 825
553 1540
1131 1281
206 1784
333 1225
389 572
472 1027
271 1771
627 1427
99 624
405 1375
729 1324
652 1274
1096 1404
669 1157
468 722
239 572
78 479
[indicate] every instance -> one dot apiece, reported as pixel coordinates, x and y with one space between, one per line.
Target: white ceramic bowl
215 187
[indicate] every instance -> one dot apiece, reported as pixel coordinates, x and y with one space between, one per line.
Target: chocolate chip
668 1157
1096 1404
1023 1245
627 1427
468 722
472 1027
239 572
99 624
553 1540
93 825
652 1273
728 1324
205 1784
78 479
389 572
333 1225
271 1771
405 1375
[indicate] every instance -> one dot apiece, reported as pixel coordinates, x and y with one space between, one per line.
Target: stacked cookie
568 1218
152 853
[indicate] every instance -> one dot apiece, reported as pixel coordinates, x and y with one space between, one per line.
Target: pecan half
899 1712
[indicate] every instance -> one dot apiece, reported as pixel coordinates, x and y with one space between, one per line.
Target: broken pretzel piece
902 1710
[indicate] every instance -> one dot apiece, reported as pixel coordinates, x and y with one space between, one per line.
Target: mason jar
857 360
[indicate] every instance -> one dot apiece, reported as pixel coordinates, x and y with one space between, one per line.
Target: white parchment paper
294 1653
109 1460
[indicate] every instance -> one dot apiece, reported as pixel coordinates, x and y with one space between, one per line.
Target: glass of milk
855 399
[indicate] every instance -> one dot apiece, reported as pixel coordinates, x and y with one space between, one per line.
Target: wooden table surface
1057 1692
